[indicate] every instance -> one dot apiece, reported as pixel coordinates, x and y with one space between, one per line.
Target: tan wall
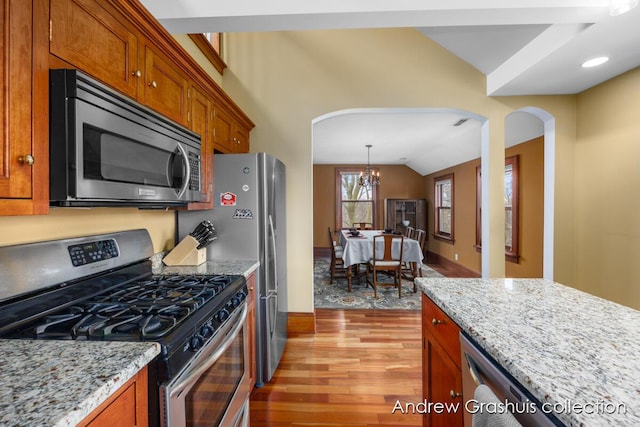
531 186
68 222
397 182
531 193
464 216
607 175
285 80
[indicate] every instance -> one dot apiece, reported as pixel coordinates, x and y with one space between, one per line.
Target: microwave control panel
194 179
91 252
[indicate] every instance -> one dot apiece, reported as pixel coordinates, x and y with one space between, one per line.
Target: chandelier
368 177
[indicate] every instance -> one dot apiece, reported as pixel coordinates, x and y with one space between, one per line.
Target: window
211 46
444 208
511 214
355 203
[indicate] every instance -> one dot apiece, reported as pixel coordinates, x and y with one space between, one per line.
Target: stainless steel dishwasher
479 369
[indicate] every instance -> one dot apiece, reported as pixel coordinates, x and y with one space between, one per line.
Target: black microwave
108 150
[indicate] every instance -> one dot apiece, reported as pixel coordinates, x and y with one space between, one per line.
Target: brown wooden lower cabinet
125 408
441 374
251 328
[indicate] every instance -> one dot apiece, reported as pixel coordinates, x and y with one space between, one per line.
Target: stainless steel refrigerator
249 218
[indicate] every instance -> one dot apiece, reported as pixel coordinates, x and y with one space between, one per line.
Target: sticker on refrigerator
227 199
243 214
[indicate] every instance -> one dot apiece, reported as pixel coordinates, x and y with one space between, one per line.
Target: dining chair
409 232
421 237
362 225
383 260
337 268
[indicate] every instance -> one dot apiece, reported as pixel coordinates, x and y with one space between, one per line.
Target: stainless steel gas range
102 288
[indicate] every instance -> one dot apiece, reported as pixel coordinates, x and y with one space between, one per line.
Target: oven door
213 389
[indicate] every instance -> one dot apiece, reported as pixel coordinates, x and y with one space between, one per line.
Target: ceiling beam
197 16
546 43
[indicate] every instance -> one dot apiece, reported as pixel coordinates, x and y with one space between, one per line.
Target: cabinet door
16 175
251 322
443 384
200 114
89 37
223 124
127 407
241 140
165 88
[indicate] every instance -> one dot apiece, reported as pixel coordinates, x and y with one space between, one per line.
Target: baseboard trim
458 269
321 252
299 323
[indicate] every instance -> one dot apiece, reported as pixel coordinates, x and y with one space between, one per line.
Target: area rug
335 295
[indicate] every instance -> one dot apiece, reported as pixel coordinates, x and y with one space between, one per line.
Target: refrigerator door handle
273 316
273 247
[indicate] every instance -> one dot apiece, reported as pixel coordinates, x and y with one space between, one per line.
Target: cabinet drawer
444 330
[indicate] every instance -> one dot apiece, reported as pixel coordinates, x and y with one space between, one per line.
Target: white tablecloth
358 250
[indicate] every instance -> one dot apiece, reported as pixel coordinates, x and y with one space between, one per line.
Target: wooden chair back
409 232
387 254
363 226
421 237
337 268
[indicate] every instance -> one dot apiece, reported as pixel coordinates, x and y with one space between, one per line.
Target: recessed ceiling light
618 7
595 62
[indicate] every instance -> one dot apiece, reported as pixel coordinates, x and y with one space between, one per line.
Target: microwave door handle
183 190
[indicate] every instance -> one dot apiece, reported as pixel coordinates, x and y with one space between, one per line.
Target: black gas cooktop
145 309
78 290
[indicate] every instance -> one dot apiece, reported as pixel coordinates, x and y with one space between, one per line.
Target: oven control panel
209 328
87 253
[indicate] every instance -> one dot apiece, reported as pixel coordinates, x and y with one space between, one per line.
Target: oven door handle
195 374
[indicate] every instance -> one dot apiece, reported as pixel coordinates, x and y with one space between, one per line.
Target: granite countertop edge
61 382
563 345
228 267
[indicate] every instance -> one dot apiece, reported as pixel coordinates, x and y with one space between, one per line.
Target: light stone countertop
231 267
59 383
564 346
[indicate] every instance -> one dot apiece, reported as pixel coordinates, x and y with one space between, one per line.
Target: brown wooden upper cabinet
88 36
23 162
165 87
119 43
201 122
230 136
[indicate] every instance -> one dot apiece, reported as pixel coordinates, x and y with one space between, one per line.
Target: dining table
359 250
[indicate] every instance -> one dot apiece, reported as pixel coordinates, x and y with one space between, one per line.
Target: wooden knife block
186 253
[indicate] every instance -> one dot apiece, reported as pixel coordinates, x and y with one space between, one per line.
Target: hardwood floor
351 372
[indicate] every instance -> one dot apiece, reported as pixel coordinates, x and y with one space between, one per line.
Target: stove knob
222 315
235 301
196 342
242 295
206 331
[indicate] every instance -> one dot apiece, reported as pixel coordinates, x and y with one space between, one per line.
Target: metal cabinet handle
136 73
28 159
454 395
436 322
153 83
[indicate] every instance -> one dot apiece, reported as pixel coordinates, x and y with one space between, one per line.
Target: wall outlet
455 257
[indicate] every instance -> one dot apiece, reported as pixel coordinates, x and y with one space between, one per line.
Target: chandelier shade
369 177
